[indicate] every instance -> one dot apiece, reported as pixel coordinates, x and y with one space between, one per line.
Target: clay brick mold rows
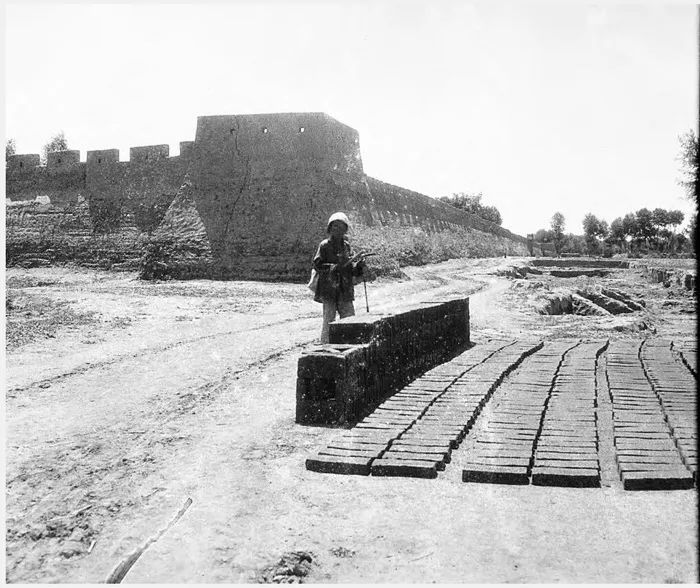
412 433
505 442
647 456
445 422
567 446
531 412
676 389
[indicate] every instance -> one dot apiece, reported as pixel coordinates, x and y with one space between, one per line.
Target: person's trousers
329 311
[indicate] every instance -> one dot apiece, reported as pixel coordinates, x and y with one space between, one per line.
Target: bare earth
154 393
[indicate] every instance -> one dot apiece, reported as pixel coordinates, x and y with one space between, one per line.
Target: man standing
336 265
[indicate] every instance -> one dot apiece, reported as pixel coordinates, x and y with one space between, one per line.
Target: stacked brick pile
528 413
567 445
647 456
372 356
505 442
414 432
597 263
676 389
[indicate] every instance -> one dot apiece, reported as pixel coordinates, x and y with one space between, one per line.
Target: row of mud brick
669 276
528 413
372 356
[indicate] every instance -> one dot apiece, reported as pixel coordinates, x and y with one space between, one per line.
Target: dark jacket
335 273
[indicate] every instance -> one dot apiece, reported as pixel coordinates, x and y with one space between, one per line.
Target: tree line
642 231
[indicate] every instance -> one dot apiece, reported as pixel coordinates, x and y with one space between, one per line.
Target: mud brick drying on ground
530 412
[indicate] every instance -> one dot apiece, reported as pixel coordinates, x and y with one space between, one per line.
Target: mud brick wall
371 356
138 191
248 198
265 185
595 263
396 206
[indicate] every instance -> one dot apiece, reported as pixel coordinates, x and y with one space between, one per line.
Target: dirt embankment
125 398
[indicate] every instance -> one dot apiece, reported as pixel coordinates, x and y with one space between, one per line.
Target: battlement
62 161
22 164
149 153
102 157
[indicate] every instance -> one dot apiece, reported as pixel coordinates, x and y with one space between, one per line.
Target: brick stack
676 389
567 445
504 445
414 432
647 456
452 412
371 356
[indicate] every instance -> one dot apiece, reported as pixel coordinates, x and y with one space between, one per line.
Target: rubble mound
591 301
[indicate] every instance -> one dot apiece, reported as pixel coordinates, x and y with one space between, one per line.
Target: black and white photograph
351 292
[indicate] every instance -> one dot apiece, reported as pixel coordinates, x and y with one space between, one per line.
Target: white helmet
337 216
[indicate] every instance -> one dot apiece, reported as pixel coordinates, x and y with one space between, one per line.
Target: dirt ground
125 398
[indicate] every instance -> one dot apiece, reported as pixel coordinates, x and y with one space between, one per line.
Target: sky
542 107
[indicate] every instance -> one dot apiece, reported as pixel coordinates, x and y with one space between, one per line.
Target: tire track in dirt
154 350
71 483
114 461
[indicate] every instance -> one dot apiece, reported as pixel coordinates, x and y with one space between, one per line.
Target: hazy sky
566 107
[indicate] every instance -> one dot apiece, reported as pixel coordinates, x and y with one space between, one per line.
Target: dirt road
178 390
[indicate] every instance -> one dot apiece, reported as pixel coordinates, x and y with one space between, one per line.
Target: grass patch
30 318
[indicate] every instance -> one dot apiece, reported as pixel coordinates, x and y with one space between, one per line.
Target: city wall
250 195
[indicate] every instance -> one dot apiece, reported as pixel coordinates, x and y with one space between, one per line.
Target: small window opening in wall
59 160
21 164
264 129
99 160
301 129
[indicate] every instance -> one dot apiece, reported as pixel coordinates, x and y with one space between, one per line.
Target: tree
557 224
574 243
629 225
10 148
692 228
57 143
471 203
491 214
673 219
593 228
659 219
617 232
688 158
645 229
544 236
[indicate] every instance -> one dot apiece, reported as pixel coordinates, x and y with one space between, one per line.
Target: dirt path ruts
109 454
